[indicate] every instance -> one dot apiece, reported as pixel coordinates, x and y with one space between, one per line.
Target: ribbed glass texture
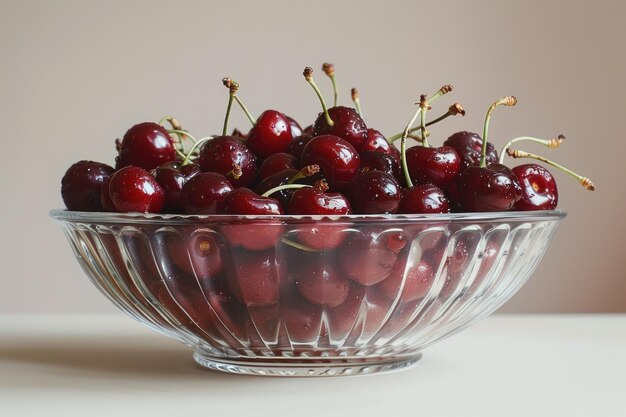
302 296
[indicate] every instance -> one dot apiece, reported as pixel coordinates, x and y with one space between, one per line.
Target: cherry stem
187 158
584 181
230 105
283 187
455 109
357 101
235 173
233 87
305 172
172 121
504 101
298 245
405 134
329 69
183 133
308 75
424 106
549 143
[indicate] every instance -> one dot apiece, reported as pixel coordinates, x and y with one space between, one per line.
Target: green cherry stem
454 109
283 187
305 172
228 109
298 245
405 134
329 69
308 76
504 101
423 133
357 101
187 158
548 143
584 181
233 88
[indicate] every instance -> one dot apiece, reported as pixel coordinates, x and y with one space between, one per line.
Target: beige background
76 74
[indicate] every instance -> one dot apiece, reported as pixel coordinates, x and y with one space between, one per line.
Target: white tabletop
108 365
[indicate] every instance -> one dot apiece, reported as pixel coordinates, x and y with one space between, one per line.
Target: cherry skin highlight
271 134
539 191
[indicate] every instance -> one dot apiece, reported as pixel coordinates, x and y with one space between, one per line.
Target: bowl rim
62 215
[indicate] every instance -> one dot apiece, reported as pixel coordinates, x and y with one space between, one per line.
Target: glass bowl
308 296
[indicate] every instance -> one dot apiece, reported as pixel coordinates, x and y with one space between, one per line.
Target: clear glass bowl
257 295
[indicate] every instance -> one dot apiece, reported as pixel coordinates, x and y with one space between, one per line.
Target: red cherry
134 189
337 159
316 201
146 145
368 256
539 191
468 146
426 198
492 188
224 154
320 283
341 319
172 177
347 124
271 134
376 141
294 127
82 184
277 162
251 235
408 282
303 319
378 161
105 196
254 277
204 192
198 252
297 145
438 166
375 192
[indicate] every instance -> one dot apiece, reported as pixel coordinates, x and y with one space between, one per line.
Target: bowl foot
309 367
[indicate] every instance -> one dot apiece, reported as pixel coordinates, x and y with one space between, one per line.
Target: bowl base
327 367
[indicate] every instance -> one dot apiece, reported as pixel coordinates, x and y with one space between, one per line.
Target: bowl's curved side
375 289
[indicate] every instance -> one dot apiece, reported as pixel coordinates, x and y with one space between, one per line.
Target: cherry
409 282
197 251
367 256
425 198
134 189
375 192
271 134
82 184
468 146
378 161
316 201
539 191
239 134
491 188
249 234
146 145
341 319
340 121
302 319
276 163
254 277
204 192
276 180
337 159
105 196
376 141
226 155
321 283
297 145
294 127
438 166
172 176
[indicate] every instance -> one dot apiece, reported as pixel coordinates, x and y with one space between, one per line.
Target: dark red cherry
425 198
276 163
223 154
254 277
134 189
294 127
251 234
297 145
197 251
408 282
105 196
374 192
321 283
316 201
376 141
273 181
378 161
348 125
468 146
493 188
302 319
368 256
337 159
539 191
172 177
204 192
438 166
82 184
146 145
237 133
270 134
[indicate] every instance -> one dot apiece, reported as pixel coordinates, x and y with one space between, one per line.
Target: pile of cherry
336 166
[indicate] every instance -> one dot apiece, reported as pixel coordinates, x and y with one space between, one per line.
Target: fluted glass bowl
305 296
